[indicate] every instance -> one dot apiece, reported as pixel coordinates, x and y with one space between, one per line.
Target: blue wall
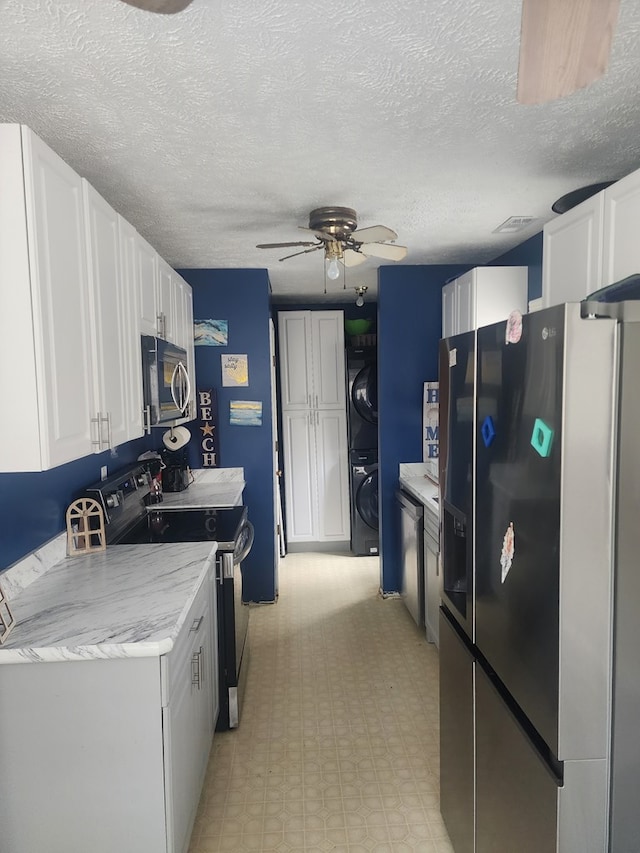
527 254
242 298
409 328
33 506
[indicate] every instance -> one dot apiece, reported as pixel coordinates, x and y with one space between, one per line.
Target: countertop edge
111 651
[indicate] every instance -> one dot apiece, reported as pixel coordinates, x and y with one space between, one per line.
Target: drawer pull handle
196 624
197 669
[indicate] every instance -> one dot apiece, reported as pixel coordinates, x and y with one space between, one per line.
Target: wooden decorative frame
6 618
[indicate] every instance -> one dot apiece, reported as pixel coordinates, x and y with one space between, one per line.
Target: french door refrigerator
555 671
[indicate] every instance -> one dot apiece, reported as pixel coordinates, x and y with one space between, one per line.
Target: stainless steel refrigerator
540 671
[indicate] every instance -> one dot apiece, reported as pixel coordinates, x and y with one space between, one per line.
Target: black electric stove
131 518
223 526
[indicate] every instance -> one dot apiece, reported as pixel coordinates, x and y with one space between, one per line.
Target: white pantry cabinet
109 754
592 245
482 296
46 377
312 371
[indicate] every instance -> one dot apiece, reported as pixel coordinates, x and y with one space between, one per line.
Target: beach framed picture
245 413
211 333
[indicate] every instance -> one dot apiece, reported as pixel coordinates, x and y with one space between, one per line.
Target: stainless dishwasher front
411 542
432 574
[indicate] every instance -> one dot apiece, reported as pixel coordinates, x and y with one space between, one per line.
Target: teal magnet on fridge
542 438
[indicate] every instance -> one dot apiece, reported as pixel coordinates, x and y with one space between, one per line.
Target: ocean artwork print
211 333
245 413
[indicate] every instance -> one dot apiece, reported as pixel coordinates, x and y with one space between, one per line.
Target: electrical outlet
103 472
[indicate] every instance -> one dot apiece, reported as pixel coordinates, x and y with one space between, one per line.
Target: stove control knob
112 500
142 480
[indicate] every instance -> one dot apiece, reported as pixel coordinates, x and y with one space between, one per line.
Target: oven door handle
246 538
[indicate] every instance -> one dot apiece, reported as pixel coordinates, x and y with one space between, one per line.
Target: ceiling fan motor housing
338 222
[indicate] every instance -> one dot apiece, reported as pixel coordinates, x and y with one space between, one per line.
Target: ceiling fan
336 231
564 46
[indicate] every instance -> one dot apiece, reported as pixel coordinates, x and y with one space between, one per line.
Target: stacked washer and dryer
362 385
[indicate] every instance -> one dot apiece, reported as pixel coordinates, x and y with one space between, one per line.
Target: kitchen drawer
189 638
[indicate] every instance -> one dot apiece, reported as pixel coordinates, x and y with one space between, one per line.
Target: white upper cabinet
621 248
148 302
483 296
46 380
134 264
592 245
572 253
312 377
113 347
167 328
79 288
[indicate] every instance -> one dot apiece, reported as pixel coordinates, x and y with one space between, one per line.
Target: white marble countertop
215 487
414 479
127 601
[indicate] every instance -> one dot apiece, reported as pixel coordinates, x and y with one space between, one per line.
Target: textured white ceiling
223 126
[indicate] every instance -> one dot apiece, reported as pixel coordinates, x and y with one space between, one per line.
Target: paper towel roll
175 438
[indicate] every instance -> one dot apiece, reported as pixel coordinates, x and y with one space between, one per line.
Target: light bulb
333 270
360 301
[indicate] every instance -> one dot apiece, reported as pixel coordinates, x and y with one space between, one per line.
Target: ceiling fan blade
564 46
304 252
388 251
320 235
374 234
351 258
284 245
166 7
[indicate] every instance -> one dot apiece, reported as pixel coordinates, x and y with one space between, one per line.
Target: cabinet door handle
96 441
106 419
196 624
162 325
146 420
197 668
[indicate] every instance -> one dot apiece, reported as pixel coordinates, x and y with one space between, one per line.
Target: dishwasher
411 540
431 573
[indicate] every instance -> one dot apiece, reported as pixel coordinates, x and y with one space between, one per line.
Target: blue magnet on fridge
542 438
488 431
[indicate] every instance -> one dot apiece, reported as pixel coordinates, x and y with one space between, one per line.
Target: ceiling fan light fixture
360 292
333 269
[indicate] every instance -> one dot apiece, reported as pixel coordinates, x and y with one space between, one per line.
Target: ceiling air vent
514 223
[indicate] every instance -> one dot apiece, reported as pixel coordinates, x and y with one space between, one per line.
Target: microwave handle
187 396
182 403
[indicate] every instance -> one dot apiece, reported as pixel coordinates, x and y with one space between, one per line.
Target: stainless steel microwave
165 381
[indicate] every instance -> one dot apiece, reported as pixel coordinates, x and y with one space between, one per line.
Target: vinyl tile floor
337 748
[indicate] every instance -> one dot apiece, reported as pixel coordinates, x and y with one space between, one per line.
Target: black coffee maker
176 474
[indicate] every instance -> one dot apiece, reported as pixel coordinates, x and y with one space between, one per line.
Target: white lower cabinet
187 721
109 754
